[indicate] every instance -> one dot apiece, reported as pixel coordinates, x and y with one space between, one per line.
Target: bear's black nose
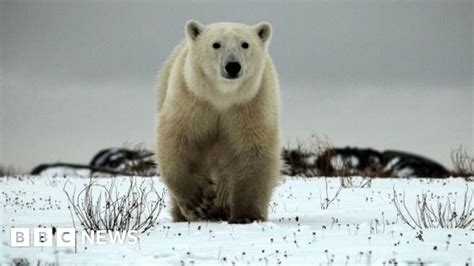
233 69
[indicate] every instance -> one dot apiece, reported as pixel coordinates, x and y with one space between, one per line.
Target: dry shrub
441 215
142 165
328 163
318 157
332 164
355 182
101 207
9 171
377 172
298 160
310 158
463 164
328 200
22 261
134 161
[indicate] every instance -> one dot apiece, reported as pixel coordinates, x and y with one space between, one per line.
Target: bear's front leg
193 196
254 180
255 173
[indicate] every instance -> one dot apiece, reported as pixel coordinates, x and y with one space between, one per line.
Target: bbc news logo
66 237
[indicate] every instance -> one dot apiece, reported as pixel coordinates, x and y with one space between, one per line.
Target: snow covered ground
360 227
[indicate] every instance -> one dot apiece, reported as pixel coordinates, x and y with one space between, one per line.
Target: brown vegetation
105 207
9 171
439 215
463 164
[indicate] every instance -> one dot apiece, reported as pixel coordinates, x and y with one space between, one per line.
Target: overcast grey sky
79 75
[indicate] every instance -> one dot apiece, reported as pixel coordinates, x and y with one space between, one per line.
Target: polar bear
218 143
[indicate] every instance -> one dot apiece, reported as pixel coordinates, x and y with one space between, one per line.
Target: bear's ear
264 31
193 29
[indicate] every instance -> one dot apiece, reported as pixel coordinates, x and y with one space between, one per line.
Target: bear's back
165 72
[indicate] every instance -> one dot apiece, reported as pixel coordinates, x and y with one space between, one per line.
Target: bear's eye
245 45
216 45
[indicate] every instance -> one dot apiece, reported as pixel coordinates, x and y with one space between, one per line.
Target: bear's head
229 58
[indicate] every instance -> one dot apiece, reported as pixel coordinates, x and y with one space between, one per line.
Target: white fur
217 126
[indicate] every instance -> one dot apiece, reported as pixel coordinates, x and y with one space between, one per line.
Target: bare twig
101 207
328 200
463 164
441 215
